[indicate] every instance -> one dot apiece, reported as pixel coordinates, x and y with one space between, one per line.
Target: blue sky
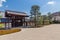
25 5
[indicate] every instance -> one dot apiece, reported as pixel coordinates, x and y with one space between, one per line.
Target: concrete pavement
49 32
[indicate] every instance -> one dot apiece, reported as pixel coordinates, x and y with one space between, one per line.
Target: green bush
46 22
9 31
1 25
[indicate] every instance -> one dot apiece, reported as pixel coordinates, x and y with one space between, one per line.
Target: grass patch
1 25
9 31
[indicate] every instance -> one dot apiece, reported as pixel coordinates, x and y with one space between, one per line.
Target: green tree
44 18
35 12
49 17
0 16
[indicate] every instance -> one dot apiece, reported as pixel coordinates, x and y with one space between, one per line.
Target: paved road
50 32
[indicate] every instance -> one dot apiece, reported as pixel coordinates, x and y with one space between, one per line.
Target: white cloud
1 2
51 2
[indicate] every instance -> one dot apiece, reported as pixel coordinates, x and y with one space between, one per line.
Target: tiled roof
56 14
16 12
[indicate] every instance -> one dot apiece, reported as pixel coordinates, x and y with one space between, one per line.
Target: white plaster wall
57 18
2 14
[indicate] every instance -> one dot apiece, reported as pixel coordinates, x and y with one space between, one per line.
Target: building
56 16
13 18
2 16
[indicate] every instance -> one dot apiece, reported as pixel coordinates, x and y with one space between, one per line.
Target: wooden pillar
9 19
8 23
21 22
11 23
24 21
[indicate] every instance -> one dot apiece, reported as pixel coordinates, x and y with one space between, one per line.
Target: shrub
46 22
1 25
3 32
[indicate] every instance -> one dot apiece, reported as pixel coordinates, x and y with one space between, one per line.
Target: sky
25 5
